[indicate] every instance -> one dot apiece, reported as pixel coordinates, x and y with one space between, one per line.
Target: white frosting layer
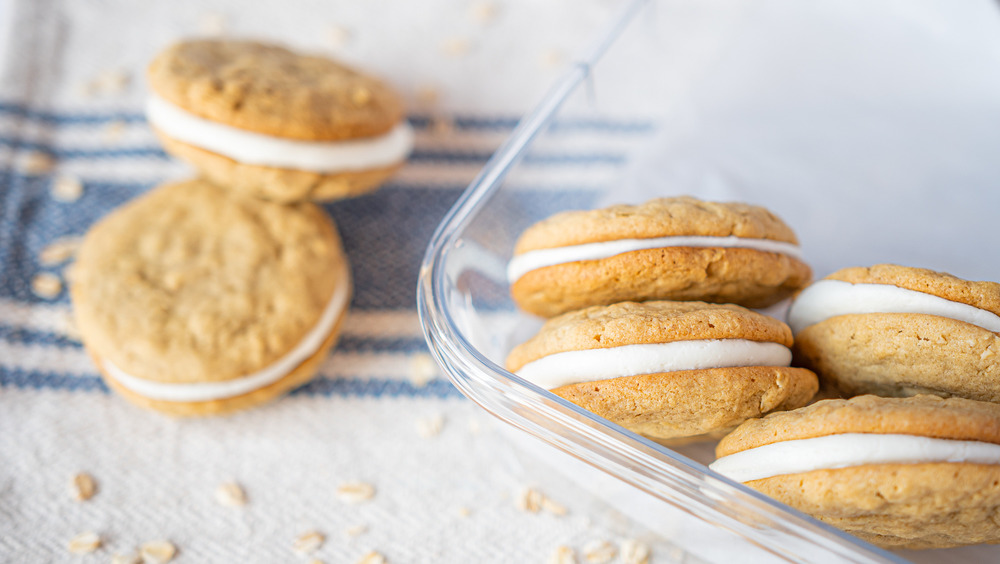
846 450
830 298
573 367
207 391
532 260
266 150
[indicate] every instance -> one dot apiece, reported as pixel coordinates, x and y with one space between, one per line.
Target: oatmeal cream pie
667 370
898 331
193 301
268 122
917 472
666 249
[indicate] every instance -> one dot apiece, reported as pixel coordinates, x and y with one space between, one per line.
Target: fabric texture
446 481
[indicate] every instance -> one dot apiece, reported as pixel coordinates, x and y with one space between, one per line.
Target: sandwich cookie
918 472
668 248
667 370
897 331
193 301
274 124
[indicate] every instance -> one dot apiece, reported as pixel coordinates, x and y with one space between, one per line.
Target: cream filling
830 298
266 150
847 450
207 391
532 260
573 367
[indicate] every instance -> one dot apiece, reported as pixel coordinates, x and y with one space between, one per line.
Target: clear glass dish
586 144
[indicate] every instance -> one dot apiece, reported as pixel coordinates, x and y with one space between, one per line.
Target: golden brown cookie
276 124
918 472
897 331
194 301
667 370
669 248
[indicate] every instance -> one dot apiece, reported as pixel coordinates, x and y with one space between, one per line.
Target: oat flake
84 543
355 492
308 543
83 486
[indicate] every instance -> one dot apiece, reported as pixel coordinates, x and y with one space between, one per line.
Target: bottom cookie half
903 354
915 506
688 403
278 184
746 277
297 377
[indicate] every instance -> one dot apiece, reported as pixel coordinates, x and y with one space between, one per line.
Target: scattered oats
308 543
84 543
429 427
338 36
157 552
109 82
428 95
552 58
316 561
563 555
59 251
212 24
456 46
46 285
599 552
464 511
372 558
114 131
66 188
423 369
356 530
553 507
83 486
355 492
634 552
37 162
484 12
361 96
442 126
230 494
987 353
529 500
130 558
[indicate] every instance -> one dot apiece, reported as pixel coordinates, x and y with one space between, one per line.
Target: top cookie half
670 248
271 90
189 283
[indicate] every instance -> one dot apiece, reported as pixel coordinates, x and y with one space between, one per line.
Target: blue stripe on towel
419 121
335 387
347 343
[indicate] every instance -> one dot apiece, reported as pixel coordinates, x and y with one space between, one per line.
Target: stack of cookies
907 455
912 459
225 291
651 328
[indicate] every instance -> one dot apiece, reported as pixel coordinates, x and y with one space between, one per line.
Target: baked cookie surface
268 122
899 331
667 370
192 288
918 472
272 90
669 248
